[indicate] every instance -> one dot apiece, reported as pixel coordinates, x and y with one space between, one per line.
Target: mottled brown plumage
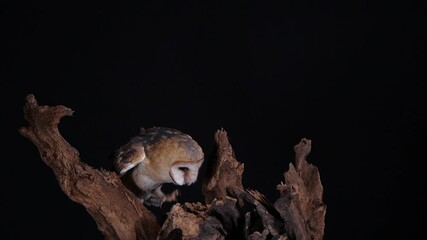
156 156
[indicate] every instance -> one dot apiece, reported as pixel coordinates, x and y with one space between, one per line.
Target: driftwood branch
118 213
300 203
224 177
230 211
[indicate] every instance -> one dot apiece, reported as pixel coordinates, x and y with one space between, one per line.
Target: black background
347 74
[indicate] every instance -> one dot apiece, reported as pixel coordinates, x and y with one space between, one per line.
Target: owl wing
128 156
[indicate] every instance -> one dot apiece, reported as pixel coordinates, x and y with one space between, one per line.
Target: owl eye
184 169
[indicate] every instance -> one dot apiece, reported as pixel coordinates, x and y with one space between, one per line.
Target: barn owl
157 156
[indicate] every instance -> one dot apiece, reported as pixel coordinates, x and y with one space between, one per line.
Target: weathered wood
270 217
224 176
229 212
117 212
300 203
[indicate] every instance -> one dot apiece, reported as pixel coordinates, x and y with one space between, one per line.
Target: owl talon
157 197
172 196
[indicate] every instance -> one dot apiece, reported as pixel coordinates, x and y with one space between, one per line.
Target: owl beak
171 174
173 180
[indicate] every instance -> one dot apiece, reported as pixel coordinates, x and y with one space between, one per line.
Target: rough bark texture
300 203
224 177
230 211
117 211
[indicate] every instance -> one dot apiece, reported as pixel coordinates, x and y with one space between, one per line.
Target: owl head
174 151
183 154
